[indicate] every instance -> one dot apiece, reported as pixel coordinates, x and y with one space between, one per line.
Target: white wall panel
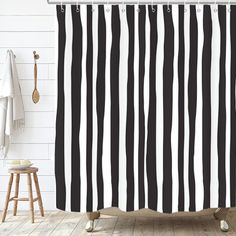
27 39
26 23
45 87
52 71
28 151
47 183
26 7
51 150
26 71
46 103
40 119
35 135
25 26
49 202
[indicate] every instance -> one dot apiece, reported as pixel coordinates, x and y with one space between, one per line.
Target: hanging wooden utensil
35 94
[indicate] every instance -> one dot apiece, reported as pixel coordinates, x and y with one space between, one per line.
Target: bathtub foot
91 217
89 226
224 226
221 214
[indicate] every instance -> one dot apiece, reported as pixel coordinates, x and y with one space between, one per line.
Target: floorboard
59 223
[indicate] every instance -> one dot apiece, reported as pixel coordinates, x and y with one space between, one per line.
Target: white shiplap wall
25 26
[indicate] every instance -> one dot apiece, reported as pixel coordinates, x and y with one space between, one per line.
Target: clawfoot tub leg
91 217
221 214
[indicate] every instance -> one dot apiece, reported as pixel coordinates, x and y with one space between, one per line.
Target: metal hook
108 9
215 9
62 9
229 9
77 7
36 56
92 9
198 6
185 9
168 6
153 9
123 7
138 9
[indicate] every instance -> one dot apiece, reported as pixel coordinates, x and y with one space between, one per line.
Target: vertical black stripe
151 135
114 83
59 141
181 59
89 71
167 105
222 109
76 108
192 98
206 112
101 62
130 112
232 108
142 51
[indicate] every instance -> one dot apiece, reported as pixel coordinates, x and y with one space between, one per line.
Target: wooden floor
63 224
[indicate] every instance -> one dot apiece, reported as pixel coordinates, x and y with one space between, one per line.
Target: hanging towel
12 117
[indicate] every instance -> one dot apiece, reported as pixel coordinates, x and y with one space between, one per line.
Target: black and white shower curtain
146 107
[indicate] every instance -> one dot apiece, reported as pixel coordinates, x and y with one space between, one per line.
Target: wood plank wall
25 26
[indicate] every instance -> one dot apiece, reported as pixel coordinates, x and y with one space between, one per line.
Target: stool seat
23 171
17 172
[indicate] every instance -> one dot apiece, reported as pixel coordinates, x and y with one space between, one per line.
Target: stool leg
40 202
7 198
31 203
16 193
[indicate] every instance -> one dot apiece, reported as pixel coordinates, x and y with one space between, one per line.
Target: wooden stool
28 171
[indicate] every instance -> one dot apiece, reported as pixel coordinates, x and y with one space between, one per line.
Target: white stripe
136 107
106 161
123 109
83 124
56 54
198 171
95 128
186 116
146 101
228 119
67 88
159 105
214 106
174 132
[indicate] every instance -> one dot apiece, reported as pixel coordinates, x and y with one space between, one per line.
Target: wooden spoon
35 94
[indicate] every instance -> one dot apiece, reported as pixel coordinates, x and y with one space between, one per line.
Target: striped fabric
146 107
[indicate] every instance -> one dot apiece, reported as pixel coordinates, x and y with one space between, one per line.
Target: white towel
12 116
